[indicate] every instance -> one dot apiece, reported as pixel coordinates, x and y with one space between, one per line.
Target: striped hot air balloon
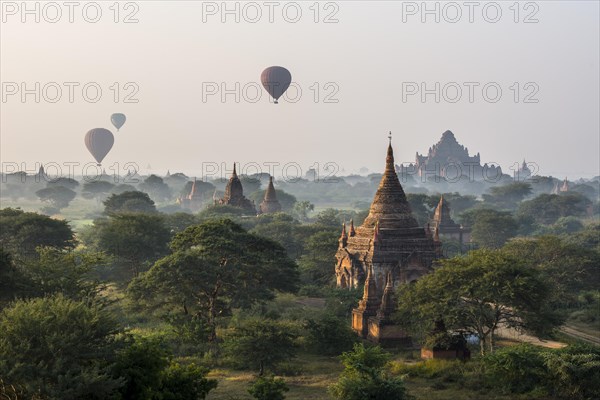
99 141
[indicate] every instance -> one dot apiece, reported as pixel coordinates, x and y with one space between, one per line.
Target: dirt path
510 333
574 332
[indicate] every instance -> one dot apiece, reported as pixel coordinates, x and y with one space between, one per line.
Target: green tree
97 190
329 218
59 348
548 208
516 369
69 183
490 228
261 344
318 259
12 281
156 188
588 238
479 293
281 228
302 208
574 372
58 197
140 366
179 221
185 382
135 240
147 374
220 212
23 231
364 377
570 267
129 202
268 388
214 267
508 196
56 271
565 226
329 334
122 188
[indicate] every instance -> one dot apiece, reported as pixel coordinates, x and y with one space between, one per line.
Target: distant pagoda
388 249
194 200
445 226
447 158
561 188
270 204
234 194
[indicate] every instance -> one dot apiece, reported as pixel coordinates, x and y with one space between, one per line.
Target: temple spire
387 302
389 160
370 297
352 231
390 202
270 192
193 190
344 236
234 172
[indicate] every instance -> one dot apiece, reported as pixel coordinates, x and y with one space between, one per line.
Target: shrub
184 382
148 375
268 388
329 335
428 369
574 372
140 366
364 377
58 348
516 369
259 344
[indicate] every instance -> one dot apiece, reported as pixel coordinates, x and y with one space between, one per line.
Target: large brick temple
389 249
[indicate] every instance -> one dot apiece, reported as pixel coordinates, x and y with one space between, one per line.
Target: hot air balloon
276 81
99 141
118 120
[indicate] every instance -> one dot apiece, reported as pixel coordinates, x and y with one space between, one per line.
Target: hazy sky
374 55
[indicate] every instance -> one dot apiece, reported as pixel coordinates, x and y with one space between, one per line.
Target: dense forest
114 291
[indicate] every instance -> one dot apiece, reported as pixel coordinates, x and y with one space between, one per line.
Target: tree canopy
129 202
213 267
59 348
23 231
479 293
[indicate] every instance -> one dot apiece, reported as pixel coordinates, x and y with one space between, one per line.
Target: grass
79 213
318 373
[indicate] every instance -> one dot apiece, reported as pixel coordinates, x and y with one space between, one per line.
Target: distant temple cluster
561 188
234 196
447 158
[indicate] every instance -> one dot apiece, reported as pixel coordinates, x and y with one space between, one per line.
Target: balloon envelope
276 81
99 141
118 120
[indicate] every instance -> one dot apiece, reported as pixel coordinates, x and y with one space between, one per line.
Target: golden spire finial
390 137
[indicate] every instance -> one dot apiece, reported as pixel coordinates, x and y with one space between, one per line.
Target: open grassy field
318 372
